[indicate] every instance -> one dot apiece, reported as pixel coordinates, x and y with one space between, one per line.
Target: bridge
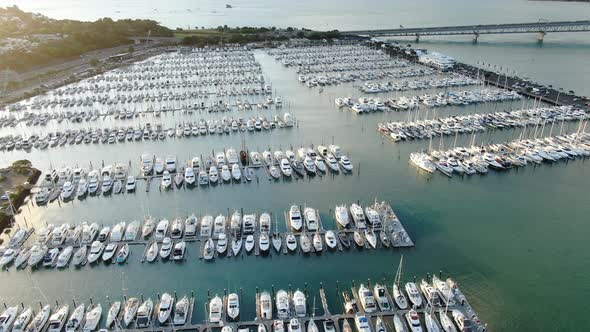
541 28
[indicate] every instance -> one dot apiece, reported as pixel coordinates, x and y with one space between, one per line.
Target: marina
59 246
437 297
456 225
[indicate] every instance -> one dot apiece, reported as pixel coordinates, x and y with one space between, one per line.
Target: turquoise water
512 240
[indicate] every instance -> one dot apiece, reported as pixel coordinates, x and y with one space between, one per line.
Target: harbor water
514 241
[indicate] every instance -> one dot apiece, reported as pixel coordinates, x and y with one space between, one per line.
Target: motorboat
130 184
463 323
332 163
413 321
295 218
165 308
342 217
221 243
131 231
329 326
50 258
213 175
291 242
367 299
445 292
362 323
358 216
372 216
282 304
215 308
398 324
178 251
431 322
446 322
177 228
104 234
22 257
294 325
264 242
152 252
414 294
9 255
147 164
7 318
318 244
189 176
299 304
203 178
109 252
359 239
130 310
385 240
89 233
371 237
206 226
64 257
161 229
236 245
331 240
75 320
305 243
22 321
190 226
233 306
277 242
92 318
96 250
107 181
118 232
58 235
67 190
249 244
80 256
181 310
285 167
274 172
58 319
209 249
311 326
381 298
148 227
219 225
345 163
123 253
311 219
144 314
112 314
166 181
38 323
82 188
278 326
265 305
249 224
166 248
37 254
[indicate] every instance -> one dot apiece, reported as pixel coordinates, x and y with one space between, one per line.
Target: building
435 59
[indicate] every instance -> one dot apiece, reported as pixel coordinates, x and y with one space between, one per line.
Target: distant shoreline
564 0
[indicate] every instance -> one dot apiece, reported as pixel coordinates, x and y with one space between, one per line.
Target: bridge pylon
417 38
541 36
475 37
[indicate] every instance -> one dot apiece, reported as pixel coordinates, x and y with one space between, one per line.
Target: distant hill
29 39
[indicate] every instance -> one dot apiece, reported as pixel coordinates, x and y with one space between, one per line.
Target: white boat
165 308
221 243
58 319
209 249
295 218
189 176
109 252
330 238
213 175
38 323
112 314
282 304
311 219
219 225
82 188
318 244
236 172
206 226
152 252
430 322
414 294
236 245
104 234
367 299
123 253
279 326
22 258
311 326
277 242
294 325
291 242
373 217
161 229
345 163
166 248
37 254
249 245
379 326
398 324
358 216
342 217
413 321
22 321
148 227
7 318
381 297
190 226
285 167
463 323
329 326
144 314
371 237
64 257
89 233
118 232
233 306
265 305
95 251
446 322
178 251
299 304
305 243
8 256
177 228
130 184
264 242
181 311
67 190
215 308
362 323
80 256
50 258
166 181
92 318
131 231
130 310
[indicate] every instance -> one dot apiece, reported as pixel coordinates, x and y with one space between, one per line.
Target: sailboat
398 294
277 241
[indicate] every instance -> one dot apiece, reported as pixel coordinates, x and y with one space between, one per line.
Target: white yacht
8 256
130 184
249 244
181 311
414 294
171 164
177 228
165 308
381 298
221 243
362 323
178 251
118 232
67 190
131 231
166 248
294 325
213 175
92 318
37 254
64 257
112 314
189 176
22 321
299 304
38 323
367 299
147 164
144 314
282 304
190 226
291 242
166 181
161 229
50 258
215 308
233 306
413 321
7 318
206 226
285 167
342 217
330 238
264 242
295 218
345 163
95 251
109 252
265 305
58 319
311 219
358 216
130 310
